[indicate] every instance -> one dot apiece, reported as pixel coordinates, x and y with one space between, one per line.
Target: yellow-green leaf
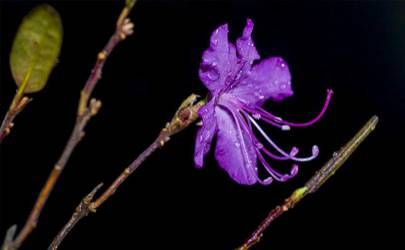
36 48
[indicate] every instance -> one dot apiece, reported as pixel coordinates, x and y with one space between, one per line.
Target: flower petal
205 134
219 61
245 47
270 79
234 151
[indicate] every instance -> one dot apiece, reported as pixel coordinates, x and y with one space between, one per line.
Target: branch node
126 29
101 56
95 106
84 96
87 201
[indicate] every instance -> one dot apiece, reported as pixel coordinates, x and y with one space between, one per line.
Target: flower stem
86 110
314 183
185 115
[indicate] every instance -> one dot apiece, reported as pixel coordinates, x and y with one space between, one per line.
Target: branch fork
186 114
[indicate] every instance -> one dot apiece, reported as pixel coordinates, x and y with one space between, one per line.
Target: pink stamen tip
294 151
267 181
294 170
315 150
285 127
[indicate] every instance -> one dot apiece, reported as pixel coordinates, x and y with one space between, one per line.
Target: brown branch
314 183
86 110
185 115
81 211
157 143
17 105
76 136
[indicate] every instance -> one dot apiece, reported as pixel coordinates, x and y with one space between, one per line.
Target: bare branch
81 211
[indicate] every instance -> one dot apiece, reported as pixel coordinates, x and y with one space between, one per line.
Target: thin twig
17 105
185 115
9 237
81 211
314 183
86 110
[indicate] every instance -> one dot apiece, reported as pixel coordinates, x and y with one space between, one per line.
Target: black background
355 47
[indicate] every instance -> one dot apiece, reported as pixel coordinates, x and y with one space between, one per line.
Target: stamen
266 181
259 114
268 117
254 138
315 149
276 175
294 151
285 125
270 121
318 117
258 145
273 156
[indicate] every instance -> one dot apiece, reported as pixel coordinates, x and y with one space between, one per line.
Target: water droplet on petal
214 43
259 145
237 144
213 75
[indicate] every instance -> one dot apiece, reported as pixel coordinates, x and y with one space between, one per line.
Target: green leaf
36 47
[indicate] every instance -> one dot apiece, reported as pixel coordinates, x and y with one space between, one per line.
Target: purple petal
246 49
219 61
205 134
270 79
234 151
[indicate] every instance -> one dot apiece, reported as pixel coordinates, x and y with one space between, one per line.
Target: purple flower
238 88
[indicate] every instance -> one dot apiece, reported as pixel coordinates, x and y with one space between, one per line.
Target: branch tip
88 200
8 239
